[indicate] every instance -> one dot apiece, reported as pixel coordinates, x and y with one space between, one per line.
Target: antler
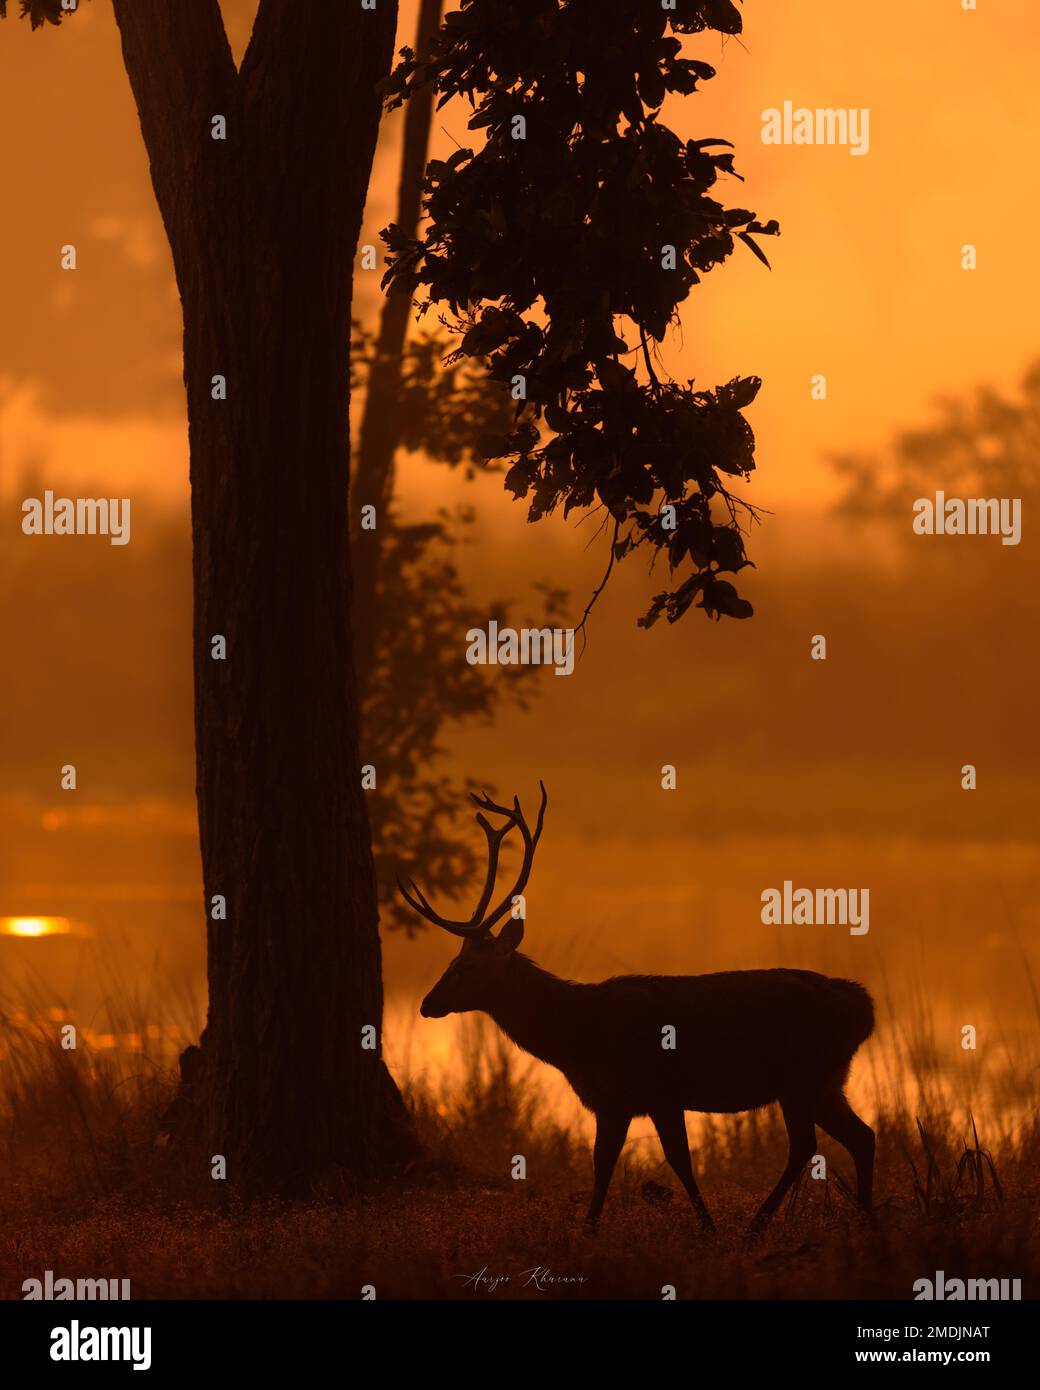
480 923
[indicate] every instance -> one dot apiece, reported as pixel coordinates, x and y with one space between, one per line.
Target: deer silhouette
660 1045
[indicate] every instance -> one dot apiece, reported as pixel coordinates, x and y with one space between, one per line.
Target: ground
90 1193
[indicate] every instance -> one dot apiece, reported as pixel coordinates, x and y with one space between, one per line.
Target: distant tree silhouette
263 226
983 446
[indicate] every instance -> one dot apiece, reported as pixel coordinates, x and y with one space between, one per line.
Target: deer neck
535 1009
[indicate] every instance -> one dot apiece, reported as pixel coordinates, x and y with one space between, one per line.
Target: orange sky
866 285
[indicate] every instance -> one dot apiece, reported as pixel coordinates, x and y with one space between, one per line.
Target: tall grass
81 1099
88 1190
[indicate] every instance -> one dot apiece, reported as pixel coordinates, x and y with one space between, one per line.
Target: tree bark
263 226
374 475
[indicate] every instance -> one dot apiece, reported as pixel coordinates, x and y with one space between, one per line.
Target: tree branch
182 73
179 63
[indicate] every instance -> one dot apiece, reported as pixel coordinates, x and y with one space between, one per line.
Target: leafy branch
566 244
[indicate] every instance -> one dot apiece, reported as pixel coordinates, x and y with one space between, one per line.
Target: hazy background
843 773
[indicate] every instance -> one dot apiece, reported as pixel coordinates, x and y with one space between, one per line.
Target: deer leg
671 1130
611 1131
836 1117
801 1138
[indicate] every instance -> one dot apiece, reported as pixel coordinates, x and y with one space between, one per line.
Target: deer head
471 980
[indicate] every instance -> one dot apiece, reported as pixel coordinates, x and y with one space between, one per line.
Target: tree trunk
374 474
264 226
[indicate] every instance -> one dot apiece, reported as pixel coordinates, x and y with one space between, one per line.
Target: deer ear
511 935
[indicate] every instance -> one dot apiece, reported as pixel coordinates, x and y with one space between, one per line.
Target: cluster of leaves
40 12
451 411
984 446
550 254
416 688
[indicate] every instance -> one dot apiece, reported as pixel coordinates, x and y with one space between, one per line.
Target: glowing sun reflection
35 926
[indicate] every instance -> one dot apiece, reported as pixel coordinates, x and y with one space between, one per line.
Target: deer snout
429 1008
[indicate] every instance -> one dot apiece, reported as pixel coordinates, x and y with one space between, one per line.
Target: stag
660 1045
